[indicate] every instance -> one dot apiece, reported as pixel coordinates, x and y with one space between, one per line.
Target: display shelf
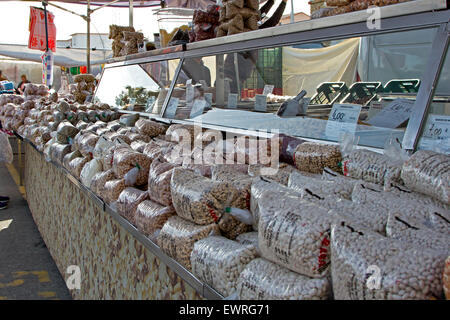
402 17
203 289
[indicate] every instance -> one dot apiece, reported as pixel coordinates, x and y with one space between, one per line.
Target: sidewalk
27 271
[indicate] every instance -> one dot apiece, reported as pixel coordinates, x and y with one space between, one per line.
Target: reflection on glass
140 87
364 85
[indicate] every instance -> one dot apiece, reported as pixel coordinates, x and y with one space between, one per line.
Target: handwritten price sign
343 118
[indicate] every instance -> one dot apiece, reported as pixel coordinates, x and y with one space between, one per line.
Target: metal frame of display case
422 14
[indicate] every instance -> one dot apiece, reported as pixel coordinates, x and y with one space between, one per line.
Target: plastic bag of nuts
446 278
294 233
319 187
371 167
89 170
67 129
69 157
259 186
157 147
76 165
347 183
404 272
218 261
138 146
403 228
126 159
178 236
280 174
366 215
250 239
150 128
86 144
128 201
236 175
428 172
264 280
112 190
159 178
151 216
199 199
99 179
314 157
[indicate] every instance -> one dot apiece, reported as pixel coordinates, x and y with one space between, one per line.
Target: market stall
135 188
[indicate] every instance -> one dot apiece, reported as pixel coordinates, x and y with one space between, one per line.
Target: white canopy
62 56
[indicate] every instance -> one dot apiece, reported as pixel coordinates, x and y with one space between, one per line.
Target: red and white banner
37 39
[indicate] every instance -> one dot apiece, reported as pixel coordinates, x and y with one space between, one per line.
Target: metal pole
88 37
46 28
292 11
131 12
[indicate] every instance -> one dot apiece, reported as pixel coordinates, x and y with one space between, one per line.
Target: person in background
2 78
21 86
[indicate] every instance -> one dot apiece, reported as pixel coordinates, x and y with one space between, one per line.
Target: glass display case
314 79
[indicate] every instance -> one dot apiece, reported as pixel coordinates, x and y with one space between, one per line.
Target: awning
193 4
62 56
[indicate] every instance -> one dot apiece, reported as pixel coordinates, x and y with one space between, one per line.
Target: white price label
189 92
343 118
208 98
394 114
437 127
171 109
197 108
261 102
436 134
232 100
268 88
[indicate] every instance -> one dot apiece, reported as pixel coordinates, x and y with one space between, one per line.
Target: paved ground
27 271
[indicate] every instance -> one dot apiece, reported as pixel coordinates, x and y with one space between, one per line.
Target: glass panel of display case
366 86
436 131
138 87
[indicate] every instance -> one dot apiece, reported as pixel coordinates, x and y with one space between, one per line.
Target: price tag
171 109
197 108
437 127
232 100
189 92
268 88
261 102
436 134
343 118
394 114
208 98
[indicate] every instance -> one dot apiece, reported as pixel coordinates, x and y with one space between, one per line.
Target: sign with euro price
232 100
197 108
393 115
268 88
436 134
342 118
171 109
437 127
261 103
